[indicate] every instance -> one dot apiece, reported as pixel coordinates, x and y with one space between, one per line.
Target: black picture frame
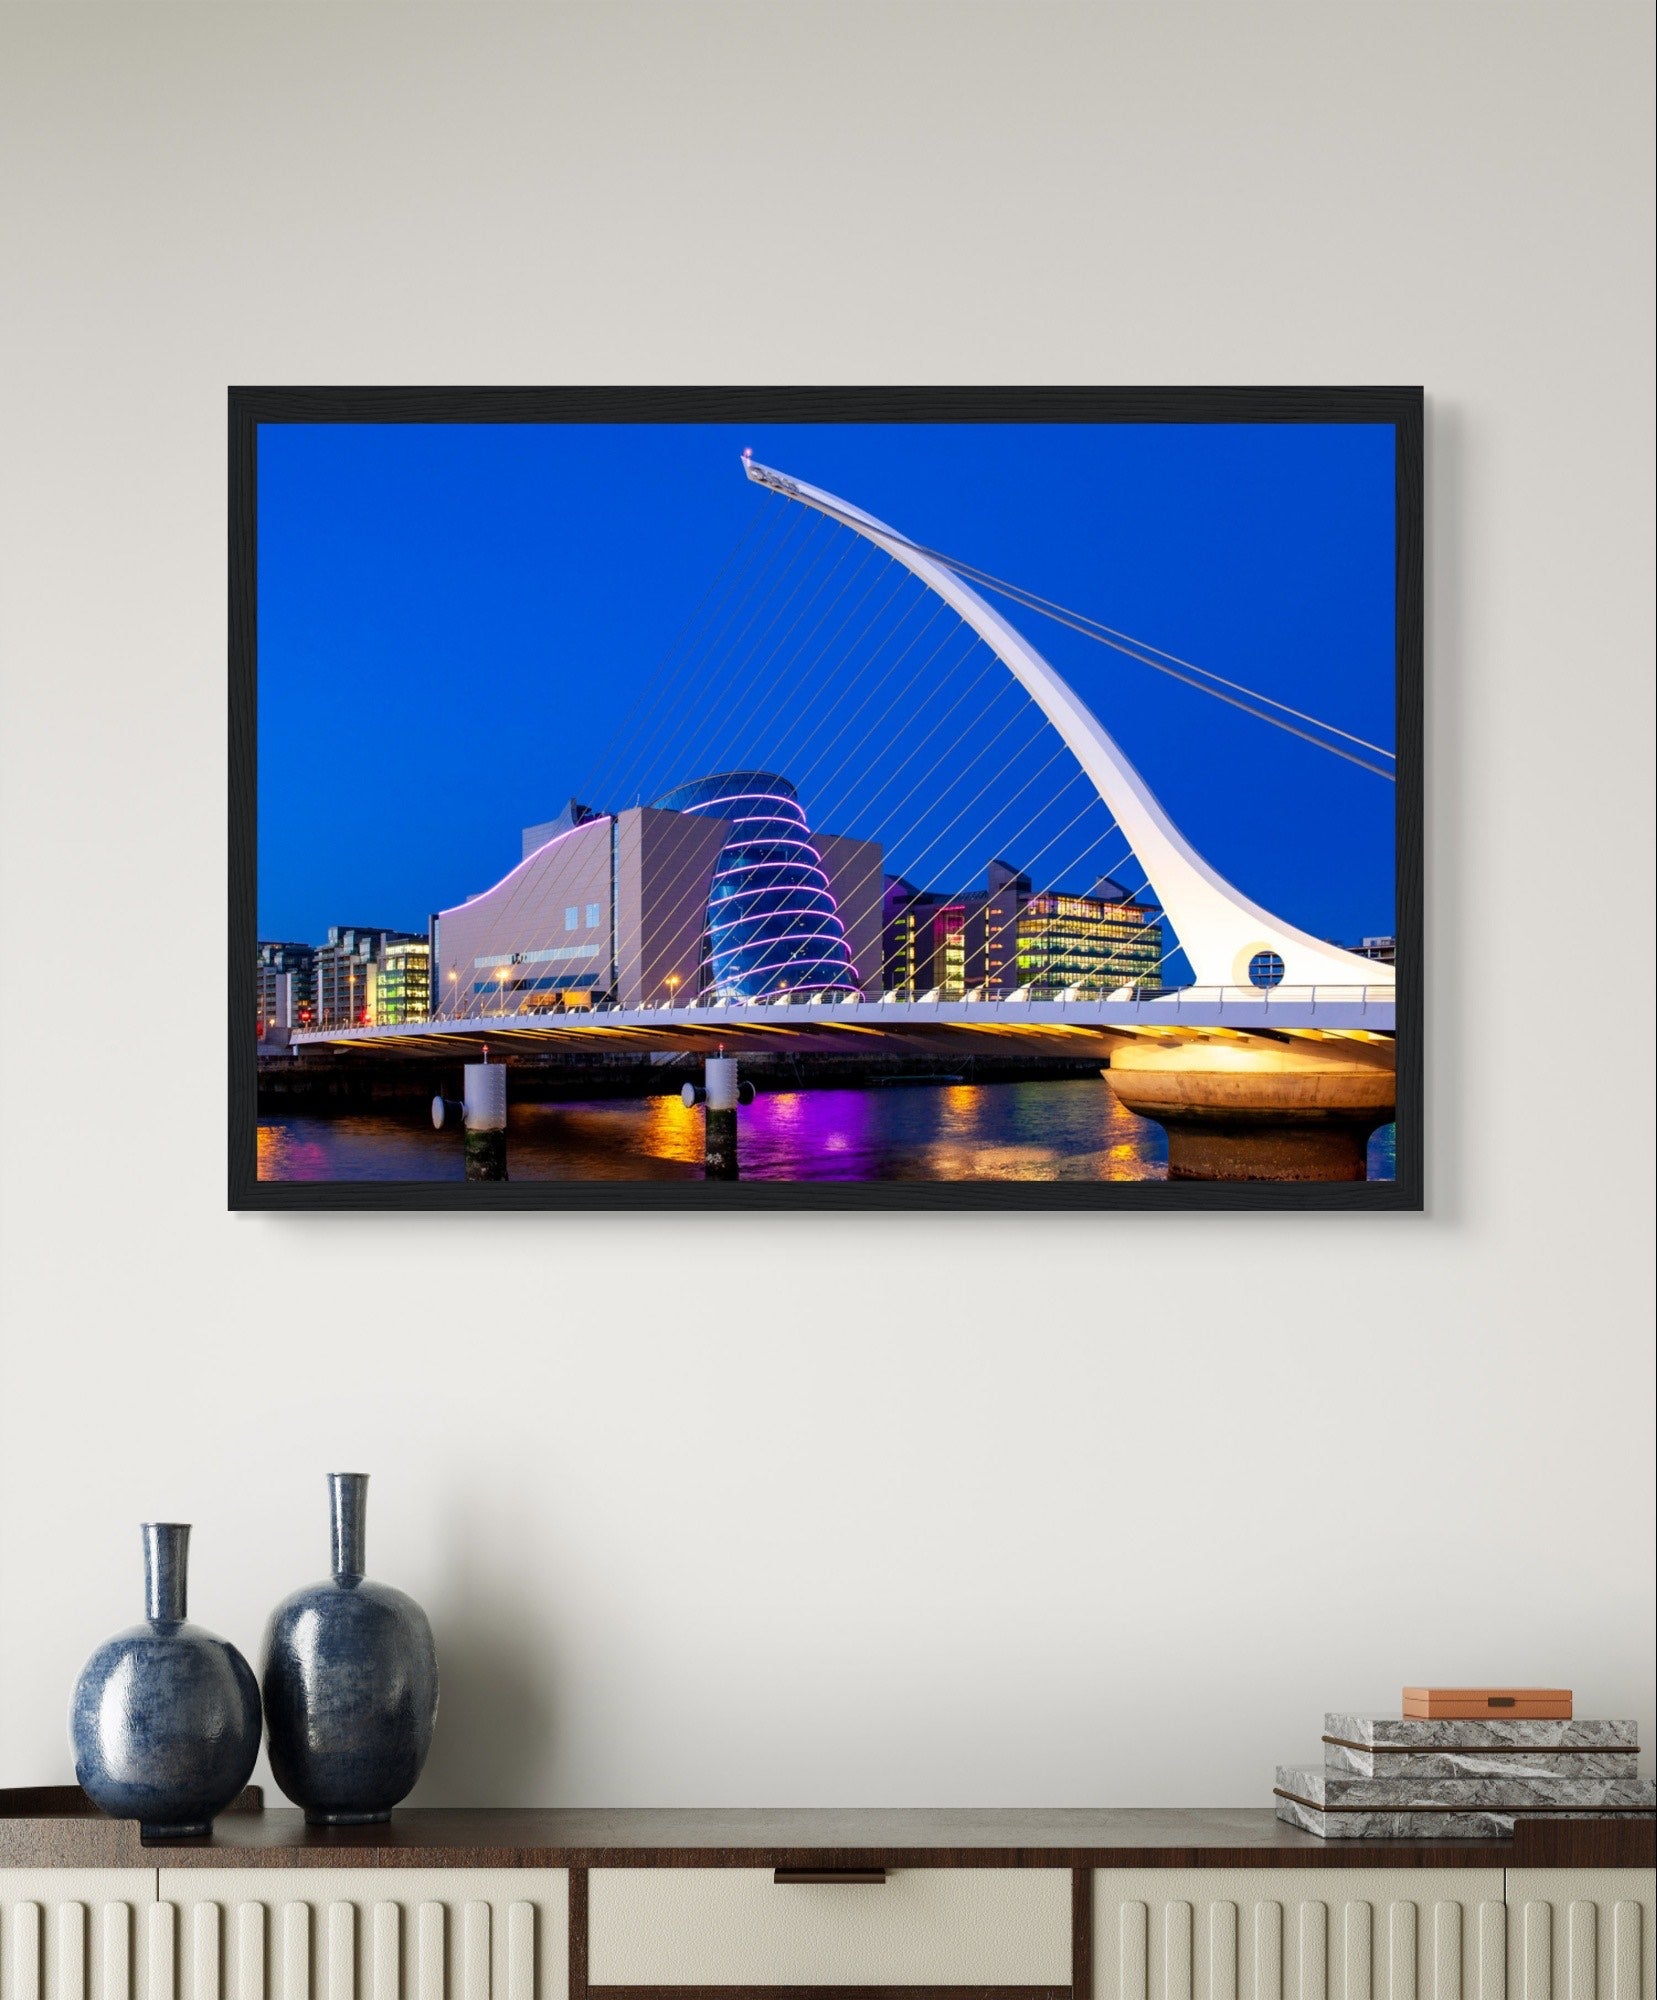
252 407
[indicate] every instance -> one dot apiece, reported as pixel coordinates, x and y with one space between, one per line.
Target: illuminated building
992 931
1006 938
945 936
720 889
1091 945
286 987
773 925
403 983
924 943
348 973
899 933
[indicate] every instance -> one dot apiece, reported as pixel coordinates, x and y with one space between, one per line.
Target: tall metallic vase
165 1717
350 1683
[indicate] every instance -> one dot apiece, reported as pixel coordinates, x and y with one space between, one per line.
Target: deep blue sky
454 623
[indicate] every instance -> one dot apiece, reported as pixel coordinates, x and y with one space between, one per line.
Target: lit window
1265 969
572 918
592 916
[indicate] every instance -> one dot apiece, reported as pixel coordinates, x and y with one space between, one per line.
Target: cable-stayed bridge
876 673
1012 1025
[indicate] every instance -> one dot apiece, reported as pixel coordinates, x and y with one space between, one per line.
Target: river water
1072 1129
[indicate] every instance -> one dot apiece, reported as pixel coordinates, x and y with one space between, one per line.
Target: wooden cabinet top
55 1826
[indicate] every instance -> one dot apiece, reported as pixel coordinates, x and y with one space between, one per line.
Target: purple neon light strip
817 902
586 826
773 964
825 942
742 799
826 936
742 867
763 943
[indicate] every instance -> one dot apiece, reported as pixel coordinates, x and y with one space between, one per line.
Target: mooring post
485 1115
719 1120
720 1093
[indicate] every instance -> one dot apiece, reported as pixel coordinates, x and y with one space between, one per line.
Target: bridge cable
527 886
1078 624
847 684
1139 650
761 757
725 654
643 770
842 689
772 545
625 734
820 818
1035 602
740 689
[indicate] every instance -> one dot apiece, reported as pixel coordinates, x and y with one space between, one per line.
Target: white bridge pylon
1219 928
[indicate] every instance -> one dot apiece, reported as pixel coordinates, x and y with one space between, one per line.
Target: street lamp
501 976
454 996
672 986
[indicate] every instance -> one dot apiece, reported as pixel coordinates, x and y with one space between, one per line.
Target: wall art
826 798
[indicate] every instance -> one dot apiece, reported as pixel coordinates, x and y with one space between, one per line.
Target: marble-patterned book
1394 1732
1396 1825
1336 1791
1525 1763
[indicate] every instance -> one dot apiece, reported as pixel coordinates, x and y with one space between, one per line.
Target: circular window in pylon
1266 969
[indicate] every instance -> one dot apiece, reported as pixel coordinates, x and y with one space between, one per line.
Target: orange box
1462 1704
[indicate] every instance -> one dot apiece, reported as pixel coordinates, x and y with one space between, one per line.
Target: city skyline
424 591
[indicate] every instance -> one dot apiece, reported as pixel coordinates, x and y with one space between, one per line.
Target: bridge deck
931 1027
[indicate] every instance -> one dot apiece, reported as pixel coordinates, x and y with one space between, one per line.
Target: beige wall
992 1553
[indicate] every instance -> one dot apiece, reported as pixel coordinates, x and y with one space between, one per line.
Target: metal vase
350 1682
164 1720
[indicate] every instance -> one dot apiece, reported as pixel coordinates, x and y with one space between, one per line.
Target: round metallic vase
164 1720
350 1683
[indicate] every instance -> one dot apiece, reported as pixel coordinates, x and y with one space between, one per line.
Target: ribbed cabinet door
1298 1934
75 1934
367 1934
1580 1934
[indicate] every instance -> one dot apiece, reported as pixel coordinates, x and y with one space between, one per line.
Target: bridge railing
1168 1001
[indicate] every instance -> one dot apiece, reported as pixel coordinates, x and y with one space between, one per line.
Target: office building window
592 916
572 918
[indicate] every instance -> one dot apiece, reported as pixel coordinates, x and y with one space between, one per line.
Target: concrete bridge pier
1254 1109
720 1094
485 1115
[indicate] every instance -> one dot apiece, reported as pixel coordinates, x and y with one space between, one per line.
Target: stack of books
1462 1765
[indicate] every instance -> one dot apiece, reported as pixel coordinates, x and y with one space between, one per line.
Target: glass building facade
348 973
1090 945
403 989
773 926
286 986
1003 939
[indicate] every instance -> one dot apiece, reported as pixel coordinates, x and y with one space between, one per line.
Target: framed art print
825 798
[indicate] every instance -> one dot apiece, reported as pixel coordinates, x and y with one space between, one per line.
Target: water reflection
1063 1130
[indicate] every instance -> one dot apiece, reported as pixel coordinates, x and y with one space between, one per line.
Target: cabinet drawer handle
828 1875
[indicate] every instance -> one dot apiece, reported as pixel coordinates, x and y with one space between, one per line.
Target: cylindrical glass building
772 925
